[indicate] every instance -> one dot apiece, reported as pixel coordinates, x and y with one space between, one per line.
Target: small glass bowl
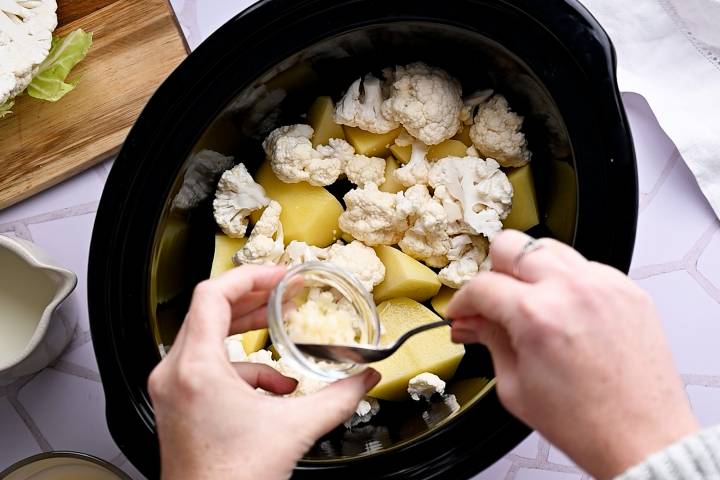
325 275
63 465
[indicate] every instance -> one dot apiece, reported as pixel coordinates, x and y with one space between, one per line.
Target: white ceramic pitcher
32 287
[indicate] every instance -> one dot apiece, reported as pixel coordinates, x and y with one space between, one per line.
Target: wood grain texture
136 44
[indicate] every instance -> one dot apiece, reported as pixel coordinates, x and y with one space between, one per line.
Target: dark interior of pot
184 239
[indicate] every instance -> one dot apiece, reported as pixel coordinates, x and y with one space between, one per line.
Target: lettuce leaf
5 108
49 83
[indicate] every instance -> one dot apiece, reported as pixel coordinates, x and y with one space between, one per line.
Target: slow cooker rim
122 179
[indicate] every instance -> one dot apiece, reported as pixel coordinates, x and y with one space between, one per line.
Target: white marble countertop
677 260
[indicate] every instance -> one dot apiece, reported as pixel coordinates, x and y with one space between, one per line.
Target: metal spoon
363 353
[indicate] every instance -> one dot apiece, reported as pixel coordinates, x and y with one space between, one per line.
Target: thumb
329 407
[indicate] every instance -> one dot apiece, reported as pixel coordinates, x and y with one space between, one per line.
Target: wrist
633 445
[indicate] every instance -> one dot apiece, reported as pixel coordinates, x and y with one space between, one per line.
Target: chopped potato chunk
404 277
430 351
309 214
391 184
320 118
370 144
524 213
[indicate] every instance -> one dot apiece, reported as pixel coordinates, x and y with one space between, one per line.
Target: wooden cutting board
136 44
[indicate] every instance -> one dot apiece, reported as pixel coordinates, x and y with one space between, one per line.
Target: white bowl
32 287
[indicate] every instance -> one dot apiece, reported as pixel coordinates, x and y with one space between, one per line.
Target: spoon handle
428 326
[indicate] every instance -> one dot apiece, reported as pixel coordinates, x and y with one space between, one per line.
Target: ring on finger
529 247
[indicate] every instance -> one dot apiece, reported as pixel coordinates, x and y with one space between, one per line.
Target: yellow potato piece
402 154
440 301
561 207
370 144
464 136
448 148
430 351
391 185
225 248
309 213
404 277
320 118
524 213
346 237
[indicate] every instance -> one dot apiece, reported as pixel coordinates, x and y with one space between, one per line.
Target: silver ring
530 246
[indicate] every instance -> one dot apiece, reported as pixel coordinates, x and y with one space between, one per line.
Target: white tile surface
68 240
528 448
709 262
19 444
691 319
69 412
496 471
82 188
557 456
673 222
83 356
657 154
536 474
706 404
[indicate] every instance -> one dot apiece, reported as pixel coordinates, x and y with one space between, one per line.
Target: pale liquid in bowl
25 291
62 469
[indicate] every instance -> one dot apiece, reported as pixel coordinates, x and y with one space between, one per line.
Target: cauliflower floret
321 320
425 386
374 217
265 245
293 158
360 260
362 170
361 107
427 239
25 39
425 100
235 349
236 197
416 170
496 133
300 252
199 178
366 409
479 186
470 104
468 256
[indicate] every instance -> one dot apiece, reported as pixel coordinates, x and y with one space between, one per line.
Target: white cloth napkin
669 52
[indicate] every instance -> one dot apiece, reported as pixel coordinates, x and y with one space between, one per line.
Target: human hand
579 353
211 421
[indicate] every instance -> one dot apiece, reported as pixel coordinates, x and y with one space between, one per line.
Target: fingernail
372 377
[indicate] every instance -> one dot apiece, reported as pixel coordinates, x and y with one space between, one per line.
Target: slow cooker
151 243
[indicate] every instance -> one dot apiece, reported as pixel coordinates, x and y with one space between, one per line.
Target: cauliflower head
361 107
362 170
481 189
373 217
360 260
467 256
470 104
26 28
496 133
427 239
293 158
425 100
265 245
236 197
416 170
300 252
